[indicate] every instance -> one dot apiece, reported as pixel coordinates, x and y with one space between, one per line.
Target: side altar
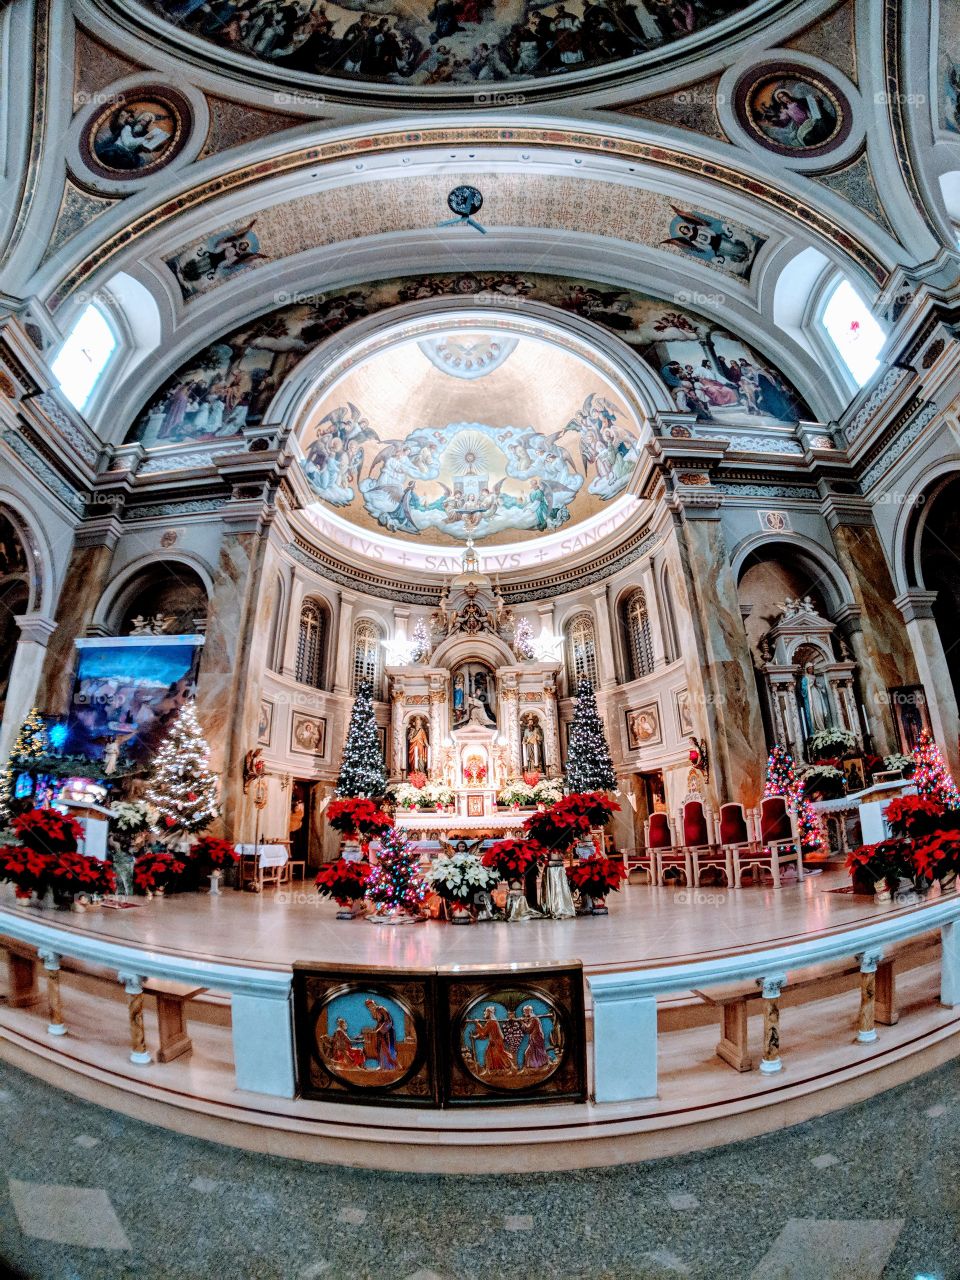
472 707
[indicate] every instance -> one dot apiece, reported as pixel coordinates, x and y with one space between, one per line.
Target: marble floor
867 1194
645 926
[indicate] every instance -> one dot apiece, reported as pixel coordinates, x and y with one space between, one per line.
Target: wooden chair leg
885 1009
775 867
733 1047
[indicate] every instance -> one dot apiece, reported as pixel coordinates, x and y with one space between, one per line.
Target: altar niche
474 696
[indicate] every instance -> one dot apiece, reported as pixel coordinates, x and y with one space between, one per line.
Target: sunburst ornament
471 454
464 201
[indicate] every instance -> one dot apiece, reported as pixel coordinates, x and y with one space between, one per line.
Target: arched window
367 656
311 644
581 650
84 355
852 329
636 623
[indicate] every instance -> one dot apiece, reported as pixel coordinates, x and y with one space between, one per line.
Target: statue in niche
531 744
418 745
459 696
814 706
479 712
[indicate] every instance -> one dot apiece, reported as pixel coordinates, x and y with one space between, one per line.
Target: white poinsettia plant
548 791
899 761
133 816
458 877
832 741
517 793
404 795
437 793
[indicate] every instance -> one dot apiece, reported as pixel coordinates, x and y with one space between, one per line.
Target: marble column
23 689
291 640
509 721
86 579
344 638
551 730
916 608
719 667
653 614
605 657
874 628
439 723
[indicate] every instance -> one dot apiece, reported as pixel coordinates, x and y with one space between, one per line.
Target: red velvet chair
779 843
639 860
735 838
699 843
667 855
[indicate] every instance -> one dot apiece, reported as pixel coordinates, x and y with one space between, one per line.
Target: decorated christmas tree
931 775
30 747
362 771
182 787
589 767
394 884
782 780
781 774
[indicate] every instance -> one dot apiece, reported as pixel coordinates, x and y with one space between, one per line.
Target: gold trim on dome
475 135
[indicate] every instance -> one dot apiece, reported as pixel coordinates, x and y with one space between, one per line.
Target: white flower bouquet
457 878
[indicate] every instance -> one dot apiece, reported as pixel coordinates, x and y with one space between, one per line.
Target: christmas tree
782 780
362 771
931 775
182 787
394 884
29 748
589 767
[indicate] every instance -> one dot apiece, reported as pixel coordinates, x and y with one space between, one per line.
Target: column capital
916 604
848 616
36 627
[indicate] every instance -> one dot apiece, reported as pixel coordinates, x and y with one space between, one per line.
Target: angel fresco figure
218 256
712 240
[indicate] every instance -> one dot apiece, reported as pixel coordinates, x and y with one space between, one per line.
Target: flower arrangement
548 791
570 819
47 831
437 793
457 878
831 742
132 817
936 855
823 780
212 854
914 815
596 876
156 872
357 817
72 874
417 779
887 860
475 772
512 859
28 870
344 881
404 795
517 792
898 762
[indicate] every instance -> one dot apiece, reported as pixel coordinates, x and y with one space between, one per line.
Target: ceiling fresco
448 42
229 384
534 437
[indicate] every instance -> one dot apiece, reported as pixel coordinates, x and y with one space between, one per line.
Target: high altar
476 713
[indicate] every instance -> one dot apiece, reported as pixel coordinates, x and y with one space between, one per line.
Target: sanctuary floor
646 926
865 1194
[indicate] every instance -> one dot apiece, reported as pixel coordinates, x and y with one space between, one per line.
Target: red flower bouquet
886 860
26 869
72 873
571 819
356 817
157 871
512 859
417 779
596 876
343 880
48 831
211 853
914 815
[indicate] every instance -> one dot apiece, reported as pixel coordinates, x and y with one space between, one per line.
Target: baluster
133 985
866 1026
51 964
770 988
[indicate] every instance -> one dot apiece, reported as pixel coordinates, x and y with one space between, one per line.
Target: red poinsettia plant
914 815
28 870
565 823
512 859
48 831
417 779
596 876
211 853
73 873
344 880
884 860
154 871
358 817
937 854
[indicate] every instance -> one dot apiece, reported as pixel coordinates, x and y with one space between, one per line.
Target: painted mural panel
448 42
229 384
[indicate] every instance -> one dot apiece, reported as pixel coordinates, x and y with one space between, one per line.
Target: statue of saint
418 745
813 698
532 744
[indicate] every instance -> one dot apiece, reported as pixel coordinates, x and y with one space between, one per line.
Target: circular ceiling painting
456 430
447 42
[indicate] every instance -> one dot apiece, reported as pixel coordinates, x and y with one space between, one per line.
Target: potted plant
357 819
900 763
830 743
28 870
47 831
880 866
914 816
823 782
516 795
344 881
404 795
570 821
937 857
456 879
512 859
74 876
593 878
209 855
548 791
157 871
130 824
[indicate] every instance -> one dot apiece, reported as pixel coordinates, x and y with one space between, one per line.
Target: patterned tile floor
867 1194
